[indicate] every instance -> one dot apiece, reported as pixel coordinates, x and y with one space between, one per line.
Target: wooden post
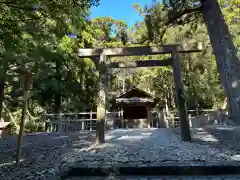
190 120
46 124
26 84
149 116
181 104
101 111
91 120
165 118
51 128
59 122
82 123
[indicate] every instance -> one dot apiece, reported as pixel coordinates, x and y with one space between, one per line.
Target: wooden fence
73 122
197 118
86 121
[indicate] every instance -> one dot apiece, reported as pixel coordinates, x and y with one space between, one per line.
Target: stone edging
149 170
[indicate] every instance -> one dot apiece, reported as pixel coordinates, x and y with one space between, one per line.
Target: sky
119 9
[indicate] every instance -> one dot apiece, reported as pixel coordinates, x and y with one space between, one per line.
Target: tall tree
179 12
226 55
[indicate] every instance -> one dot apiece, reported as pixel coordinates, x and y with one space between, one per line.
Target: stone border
150 170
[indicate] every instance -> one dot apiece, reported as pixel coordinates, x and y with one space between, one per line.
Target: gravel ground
42 153
236 177
151 147
224 138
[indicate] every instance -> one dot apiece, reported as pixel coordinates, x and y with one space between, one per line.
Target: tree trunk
2 84
57 108
226 55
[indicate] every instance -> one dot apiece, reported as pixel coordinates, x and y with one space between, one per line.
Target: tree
35 37
226 55
179 12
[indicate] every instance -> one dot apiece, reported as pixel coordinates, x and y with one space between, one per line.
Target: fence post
82 124
149 117
91 120
51 125
45 121
190 120
59 122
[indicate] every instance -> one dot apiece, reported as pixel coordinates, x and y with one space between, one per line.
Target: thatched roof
135 95
136 92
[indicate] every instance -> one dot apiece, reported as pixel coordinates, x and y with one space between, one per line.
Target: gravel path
42 153
45 154
151 147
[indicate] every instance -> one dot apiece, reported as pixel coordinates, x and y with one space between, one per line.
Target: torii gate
174 50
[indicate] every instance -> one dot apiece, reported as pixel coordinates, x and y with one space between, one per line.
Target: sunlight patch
131 137
11 163
109 137
235 83
226 128
146 134
236 157
207 138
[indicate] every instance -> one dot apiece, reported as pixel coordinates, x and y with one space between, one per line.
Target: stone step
149 170
226 177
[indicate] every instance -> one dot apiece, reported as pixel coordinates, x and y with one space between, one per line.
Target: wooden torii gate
174 50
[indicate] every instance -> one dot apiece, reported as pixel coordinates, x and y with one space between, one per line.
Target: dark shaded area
135 112
157 170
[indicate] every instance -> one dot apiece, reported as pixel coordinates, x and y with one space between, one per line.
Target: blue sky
119 9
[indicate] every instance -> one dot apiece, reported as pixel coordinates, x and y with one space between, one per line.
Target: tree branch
179 15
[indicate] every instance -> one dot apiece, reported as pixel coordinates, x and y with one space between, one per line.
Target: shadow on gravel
41 153
226 139
226 136
220 137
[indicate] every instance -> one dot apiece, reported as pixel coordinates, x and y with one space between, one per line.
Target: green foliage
12 129
34 38
177 23
42 37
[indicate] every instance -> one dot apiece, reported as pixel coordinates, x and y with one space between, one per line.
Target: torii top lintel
140 50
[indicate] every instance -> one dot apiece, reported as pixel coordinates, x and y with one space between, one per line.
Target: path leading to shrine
149 151
129 151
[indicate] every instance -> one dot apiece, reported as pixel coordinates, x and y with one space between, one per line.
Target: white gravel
147 147
44 154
